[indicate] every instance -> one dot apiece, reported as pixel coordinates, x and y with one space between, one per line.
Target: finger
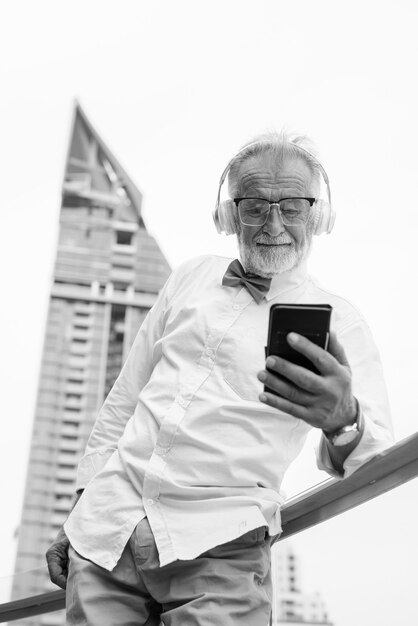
300 376
57 574
284 405
323 360
61 581
336 349
285 388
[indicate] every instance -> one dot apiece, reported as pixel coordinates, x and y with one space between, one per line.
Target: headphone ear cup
225 218
324 217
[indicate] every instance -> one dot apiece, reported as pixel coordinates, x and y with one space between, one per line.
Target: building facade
107 274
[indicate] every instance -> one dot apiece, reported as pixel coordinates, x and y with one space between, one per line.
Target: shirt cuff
374 440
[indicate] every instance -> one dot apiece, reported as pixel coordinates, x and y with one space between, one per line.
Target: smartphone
310 320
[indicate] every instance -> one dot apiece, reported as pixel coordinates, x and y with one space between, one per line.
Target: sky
175 88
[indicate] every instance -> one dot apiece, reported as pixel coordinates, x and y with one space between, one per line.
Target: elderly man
181 477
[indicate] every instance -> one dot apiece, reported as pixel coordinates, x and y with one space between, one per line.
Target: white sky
175 88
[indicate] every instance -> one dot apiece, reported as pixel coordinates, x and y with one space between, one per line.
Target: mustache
274 241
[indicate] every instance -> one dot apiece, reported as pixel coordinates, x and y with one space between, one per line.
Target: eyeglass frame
277 203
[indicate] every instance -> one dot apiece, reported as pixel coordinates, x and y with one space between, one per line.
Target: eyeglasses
256 211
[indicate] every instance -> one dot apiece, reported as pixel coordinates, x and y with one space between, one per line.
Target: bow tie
257 285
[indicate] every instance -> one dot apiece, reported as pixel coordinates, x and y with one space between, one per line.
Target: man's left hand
322 400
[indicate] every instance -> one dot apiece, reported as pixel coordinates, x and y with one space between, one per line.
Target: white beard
269 261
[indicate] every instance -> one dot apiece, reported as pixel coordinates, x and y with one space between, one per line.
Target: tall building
108 271
292 606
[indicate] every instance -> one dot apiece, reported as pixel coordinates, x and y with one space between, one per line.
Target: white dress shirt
182 437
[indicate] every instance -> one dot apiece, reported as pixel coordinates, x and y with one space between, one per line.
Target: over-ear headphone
323 216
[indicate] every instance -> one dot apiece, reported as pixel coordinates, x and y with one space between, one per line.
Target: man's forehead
275 169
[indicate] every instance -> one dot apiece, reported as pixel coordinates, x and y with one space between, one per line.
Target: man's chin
269 263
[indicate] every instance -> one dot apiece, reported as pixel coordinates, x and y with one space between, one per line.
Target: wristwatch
346 434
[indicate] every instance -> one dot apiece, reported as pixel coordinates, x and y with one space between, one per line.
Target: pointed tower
107 275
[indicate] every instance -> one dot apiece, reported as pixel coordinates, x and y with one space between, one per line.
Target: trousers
228 585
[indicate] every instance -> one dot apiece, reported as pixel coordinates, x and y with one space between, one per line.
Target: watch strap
347 434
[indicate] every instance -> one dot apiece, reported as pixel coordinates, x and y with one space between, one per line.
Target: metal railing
392 468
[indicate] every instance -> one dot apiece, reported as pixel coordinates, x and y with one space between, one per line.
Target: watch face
344 438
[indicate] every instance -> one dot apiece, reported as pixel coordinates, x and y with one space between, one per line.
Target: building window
120 286
123 268
115 345
124 237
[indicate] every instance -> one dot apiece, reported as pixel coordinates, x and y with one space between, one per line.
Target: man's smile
287 243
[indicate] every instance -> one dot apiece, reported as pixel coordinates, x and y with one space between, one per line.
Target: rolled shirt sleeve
370 389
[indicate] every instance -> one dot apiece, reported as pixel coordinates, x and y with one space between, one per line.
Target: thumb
336 349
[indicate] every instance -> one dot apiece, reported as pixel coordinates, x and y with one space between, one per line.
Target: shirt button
150 501
209 352
236 307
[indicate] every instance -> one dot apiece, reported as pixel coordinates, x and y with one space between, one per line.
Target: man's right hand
57 554
57 559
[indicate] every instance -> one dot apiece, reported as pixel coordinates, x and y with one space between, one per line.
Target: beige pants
229 585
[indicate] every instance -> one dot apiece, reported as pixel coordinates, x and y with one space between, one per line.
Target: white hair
284 146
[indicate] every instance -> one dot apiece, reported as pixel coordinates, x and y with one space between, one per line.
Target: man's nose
274 225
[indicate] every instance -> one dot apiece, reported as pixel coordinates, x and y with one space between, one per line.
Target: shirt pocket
245 358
